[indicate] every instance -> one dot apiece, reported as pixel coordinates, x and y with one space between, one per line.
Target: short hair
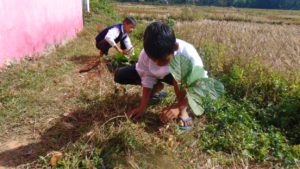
130 20
159 40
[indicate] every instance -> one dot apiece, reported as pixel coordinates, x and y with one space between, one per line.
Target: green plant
122 60
101 5
232 128
171 22
193 79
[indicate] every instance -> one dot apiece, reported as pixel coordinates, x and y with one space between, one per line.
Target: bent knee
117 77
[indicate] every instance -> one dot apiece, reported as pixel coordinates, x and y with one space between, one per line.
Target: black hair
130 20
159 40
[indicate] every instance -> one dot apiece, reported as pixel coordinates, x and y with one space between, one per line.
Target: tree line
265 4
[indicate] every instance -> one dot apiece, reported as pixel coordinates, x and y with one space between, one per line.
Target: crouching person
160 46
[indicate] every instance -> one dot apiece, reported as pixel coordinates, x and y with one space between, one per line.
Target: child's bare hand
125 52
135 113
169 114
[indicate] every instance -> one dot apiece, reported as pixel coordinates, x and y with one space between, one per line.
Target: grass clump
257 118
232 127
123 145
104 6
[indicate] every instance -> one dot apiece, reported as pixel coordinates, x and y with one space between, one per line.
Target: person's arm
127 43
147 81
174 111
120 50
182 101
110 37
138 112
129 47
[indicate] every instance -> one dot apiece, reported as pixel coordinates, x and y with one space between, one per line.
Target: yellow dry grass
271 37
276 46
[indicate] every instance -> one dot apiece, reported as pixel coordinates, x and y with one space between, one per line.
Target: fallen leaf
56 155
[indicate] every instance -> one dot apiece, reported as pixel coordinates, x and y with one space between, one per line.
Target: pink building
27 27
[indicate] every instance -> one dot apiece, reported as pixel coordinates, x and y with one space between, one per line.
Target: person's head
129 24
160 43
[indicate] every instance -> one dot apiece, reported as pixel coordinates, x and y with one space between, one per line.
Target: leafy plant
123 60
193 79
171 22
101 5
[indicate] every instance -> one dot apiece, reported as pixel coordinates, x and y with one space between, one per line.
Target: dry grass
188 12
276 46
271 37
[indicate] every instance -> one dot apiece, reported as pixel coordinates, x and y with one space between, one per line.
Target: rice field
270 37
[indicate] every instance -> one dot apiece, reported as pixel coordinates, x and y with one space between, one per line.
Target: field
272 36
47 106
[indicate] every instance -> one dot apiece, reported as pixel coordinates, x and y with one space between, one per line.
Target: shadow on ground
82 59
68 129
90 63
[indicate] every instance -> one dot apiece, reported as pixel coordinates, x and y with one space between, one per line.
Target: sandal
157 97
185 126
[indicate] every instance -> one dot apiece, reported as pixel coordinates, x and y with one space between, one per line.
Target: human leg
127 75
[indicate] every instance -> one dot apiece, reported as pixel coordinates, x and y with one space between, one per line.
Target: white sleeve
192 52
196 59
127 43
142 67
111 35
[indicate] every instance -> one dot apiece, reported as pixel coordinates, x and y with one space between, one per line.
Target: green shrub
259 118
101 6
233 128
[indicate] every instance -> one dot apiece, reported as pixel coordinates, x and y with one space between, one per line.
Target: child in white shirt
110 36
160 45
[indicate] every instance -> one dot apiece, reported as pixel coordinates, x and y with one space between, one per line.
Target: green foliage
209 87
180 67
138 34
259 115
101 6
123 60
192 79
171 22
233 129
277 99
195 103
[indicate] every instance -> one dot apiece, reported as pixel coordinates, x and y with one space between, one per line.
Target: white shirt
113 33
150 72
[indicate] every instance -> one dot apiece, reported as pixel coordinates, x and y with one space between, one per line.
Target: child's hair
159 40
130 20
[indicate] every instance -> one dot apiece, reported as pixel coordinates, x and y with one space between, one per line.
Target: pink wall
29 26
